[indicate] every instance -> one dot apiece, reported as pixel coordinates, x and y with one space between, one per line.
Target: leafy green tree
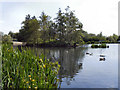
115 37
34 28
60 22
73 26
6 39
11 34
112 38
44 26
29 31
24 32
52 31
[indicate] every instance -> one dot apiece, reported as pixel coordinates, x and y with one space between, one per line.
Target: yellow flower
58 66
27 82
44 66
10 86
56 62
29 75
33 80
33 84
35 87
29 87
41 60
30 79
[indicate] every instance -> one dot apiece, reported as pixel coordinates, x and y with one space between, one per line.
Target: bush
25 70
102 46
94 46
7 39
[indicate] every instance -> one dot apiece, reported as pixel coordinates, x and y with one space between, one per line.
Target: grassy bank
25 70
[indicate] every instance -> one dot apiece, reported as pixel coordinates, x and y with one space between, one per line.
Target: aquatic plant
99 46
23 69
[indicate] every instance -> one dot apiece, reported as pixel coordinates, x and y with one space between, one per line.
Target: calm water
92 73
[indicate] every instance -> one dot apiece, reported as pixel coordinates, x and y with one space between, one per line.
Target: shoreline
24 44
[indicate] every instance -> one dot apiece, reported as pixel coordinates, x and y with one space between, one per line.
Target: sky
95 15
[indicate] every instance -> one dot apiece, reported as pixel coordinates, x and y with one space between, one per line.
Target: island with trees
63 31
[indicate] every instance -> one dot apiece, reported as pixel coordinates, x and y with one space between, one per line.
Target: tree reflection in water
70 60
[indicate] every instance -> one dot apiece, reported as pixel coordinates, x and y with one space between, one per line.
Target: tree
24 32
112 38
115 37
6 39
34 28
44 26
73 27
52 31
60 22
11 34
29 30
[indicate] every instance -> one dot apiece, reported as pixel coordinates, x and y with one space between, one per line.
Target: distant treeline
64 30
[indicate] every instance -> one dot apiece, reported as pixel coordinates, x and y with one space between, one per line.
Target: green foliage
60 22
29 31
6 39
66 27
25 70
45 27
112 38
99 46
11 34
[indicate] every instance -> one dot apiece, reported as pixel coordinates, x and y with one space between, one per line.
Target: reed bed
23 69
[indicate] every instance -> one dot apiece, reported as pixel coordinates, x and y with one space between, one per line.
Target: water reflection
71 63
70 59
82 68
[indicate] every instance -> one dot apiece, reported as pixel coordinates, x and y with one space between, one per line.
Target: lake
81 70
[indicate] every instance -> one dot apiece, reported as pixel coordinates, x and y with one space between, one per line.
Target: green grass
25 70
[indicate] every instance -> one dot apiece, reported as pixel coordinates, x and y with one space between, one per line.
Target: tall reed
25 70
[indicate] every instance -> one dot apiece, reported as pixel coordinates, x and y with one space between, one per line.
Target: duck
102 55
87 53
80 65
91 54
102 59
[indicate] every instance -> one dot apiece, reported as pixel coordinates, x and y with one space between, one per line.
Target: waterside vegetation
23 69
99 46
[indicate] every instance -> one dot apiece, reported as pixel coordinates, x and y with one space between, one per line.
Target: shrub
7 39
99 46
94 46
